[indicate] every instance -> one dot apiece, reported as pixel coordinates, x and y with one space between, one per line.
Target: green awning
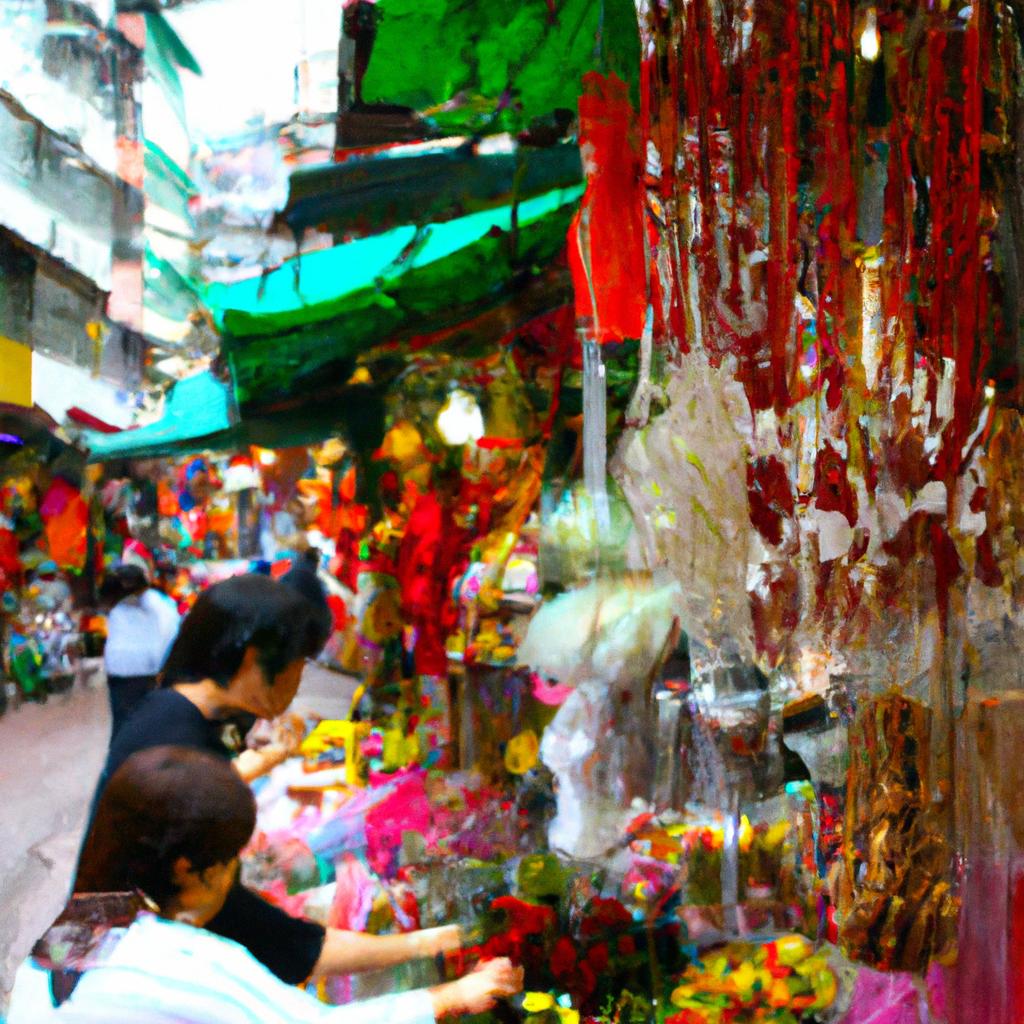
198 414
417 185
500 66
167 184
165 54
167 291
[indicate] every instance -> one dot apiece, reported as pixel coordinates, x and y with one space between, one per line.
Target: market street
626 398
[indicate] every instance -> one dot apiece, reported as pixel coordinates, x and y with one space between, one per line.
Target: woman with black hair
141 626
238 656
240 652
158 864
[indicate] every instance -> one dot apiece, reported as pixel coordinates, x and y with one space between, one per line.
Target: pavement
324 692
51 756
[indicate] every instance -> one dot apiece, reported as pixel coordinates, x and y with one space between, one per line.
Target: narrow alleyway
50 758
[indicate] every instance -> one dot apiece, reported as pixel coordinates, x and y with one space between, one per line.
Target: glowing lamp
460 420
870 42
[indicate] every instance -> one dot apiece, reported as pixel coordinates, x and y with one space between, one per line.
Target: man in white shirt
141 626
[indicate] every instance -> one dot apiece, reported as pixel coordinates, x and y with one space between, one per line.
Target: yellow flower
716 966
743 978
536 1002
792 949
682 993
746 836
403 443
775 835
521 752
825 990
812 965
779 995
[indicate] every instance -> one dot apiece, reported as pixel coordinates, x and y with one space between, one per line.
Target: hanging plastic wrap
572 548
605 641
985 985
595 432
745 840
684 476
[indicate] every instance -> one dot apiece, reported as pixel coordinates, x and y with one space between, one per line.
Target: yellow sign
338 734
15 372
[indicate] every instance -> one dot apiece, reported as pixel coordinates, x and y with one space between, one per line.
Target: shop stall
49 556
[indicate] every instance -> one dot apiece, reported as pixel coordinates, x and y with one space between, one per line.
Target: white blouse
140 631
162 972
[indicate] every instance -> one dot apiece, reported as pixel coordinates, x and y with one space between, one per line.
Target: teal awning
298 330
198 417
198 414
361 274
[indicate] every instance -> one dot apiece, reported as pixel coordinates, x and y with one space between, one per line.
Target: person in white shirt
167 834
141 626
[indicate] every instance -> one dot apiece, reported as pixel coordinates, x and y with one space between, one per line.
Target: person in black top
239 656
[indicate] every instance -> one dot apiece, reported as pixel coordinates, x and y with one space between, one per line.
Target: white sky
248 50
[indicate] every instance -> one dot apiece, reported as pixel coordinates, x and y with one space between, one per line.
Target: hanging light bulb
267 456
870 42
460 420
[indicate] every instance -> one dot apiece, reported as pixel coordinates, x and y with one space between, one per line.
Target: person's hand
437 941
272 755
251 764
479 990
289 732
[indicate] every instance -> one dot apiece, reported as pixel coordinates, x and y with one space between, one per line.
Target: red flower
527 918
563 958
597 957
605 915
506 944
686 1017
611 913
586 982
627 945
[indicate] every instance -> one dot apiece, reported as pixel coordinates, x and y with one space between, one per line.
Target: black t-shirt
286 945
164 717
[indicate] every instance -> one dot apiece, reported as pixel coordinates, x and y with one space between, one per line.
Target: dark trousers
126 693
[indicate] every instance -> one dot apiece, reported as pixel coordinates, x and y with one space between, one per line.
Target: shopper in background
304 577
141 627
167 834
